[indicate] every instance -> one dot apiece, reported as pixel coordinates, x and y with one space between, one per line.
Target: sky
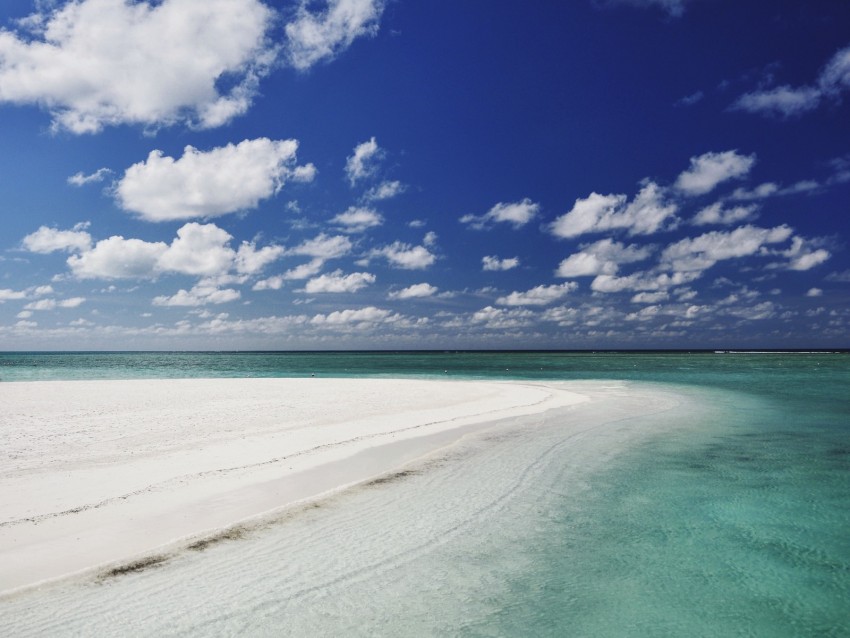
394 174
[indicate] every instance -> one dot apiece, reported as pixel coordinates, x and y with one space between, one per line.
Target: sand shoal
100 473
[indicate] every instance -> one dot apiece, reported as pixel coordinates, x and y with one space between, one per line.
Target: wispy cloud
787 101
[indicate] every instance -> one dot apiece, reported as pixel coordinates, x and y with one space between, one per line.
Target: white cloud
602 257
337 282
493 263
502 318
250 260
517 214
771 189
7 294
781 100
363 162
415 291
368 316
804 256
305 271
118 258
96 63
702 252
787 101
814 292
710 169
647 213
716 214
358 219
384 190
200 295
50 304
323 247
641 281
47 240
538 296
199 249
405 256
271 283
312 38
651 297
81 179
212 183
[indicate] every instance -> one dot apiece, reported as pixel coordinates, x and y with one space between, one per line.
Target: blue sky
249 174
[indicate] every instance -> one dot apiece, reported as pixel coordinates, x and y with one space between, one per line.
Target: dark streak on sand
135 566
391 478
232 534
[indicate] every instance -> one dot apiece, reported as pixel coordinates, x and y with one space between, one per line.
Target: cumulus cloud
210 183
415 291
200 295
710 169
538 296
363 162
250 260
814 292
118 258
641 281
198 249
384 190
51 304
803 255
647 213
602 257
787 101
517 214
405 256
651 297
323 247
716 214
270 283
337 282
305 271
358 219
7 294
81 179
493 263
702 252
502 318
362 317
96 63
47 240
314 37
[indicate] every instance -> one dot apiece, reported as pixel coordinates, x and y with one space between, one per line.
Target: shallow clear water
726 516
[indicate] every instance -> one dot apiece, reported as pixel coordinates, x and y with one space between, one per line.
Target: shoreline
105 474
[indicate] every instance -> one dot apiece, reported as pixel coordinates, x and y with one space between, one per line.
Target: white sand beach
98 474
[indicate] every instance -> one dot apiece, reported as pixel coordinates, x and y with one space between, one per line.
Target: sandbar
103 473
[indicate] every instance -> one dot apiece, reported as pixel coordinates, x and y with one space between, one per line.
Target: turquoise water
734 522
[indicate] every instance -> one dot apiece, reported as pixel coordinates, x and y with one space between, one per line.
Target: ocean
726 515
